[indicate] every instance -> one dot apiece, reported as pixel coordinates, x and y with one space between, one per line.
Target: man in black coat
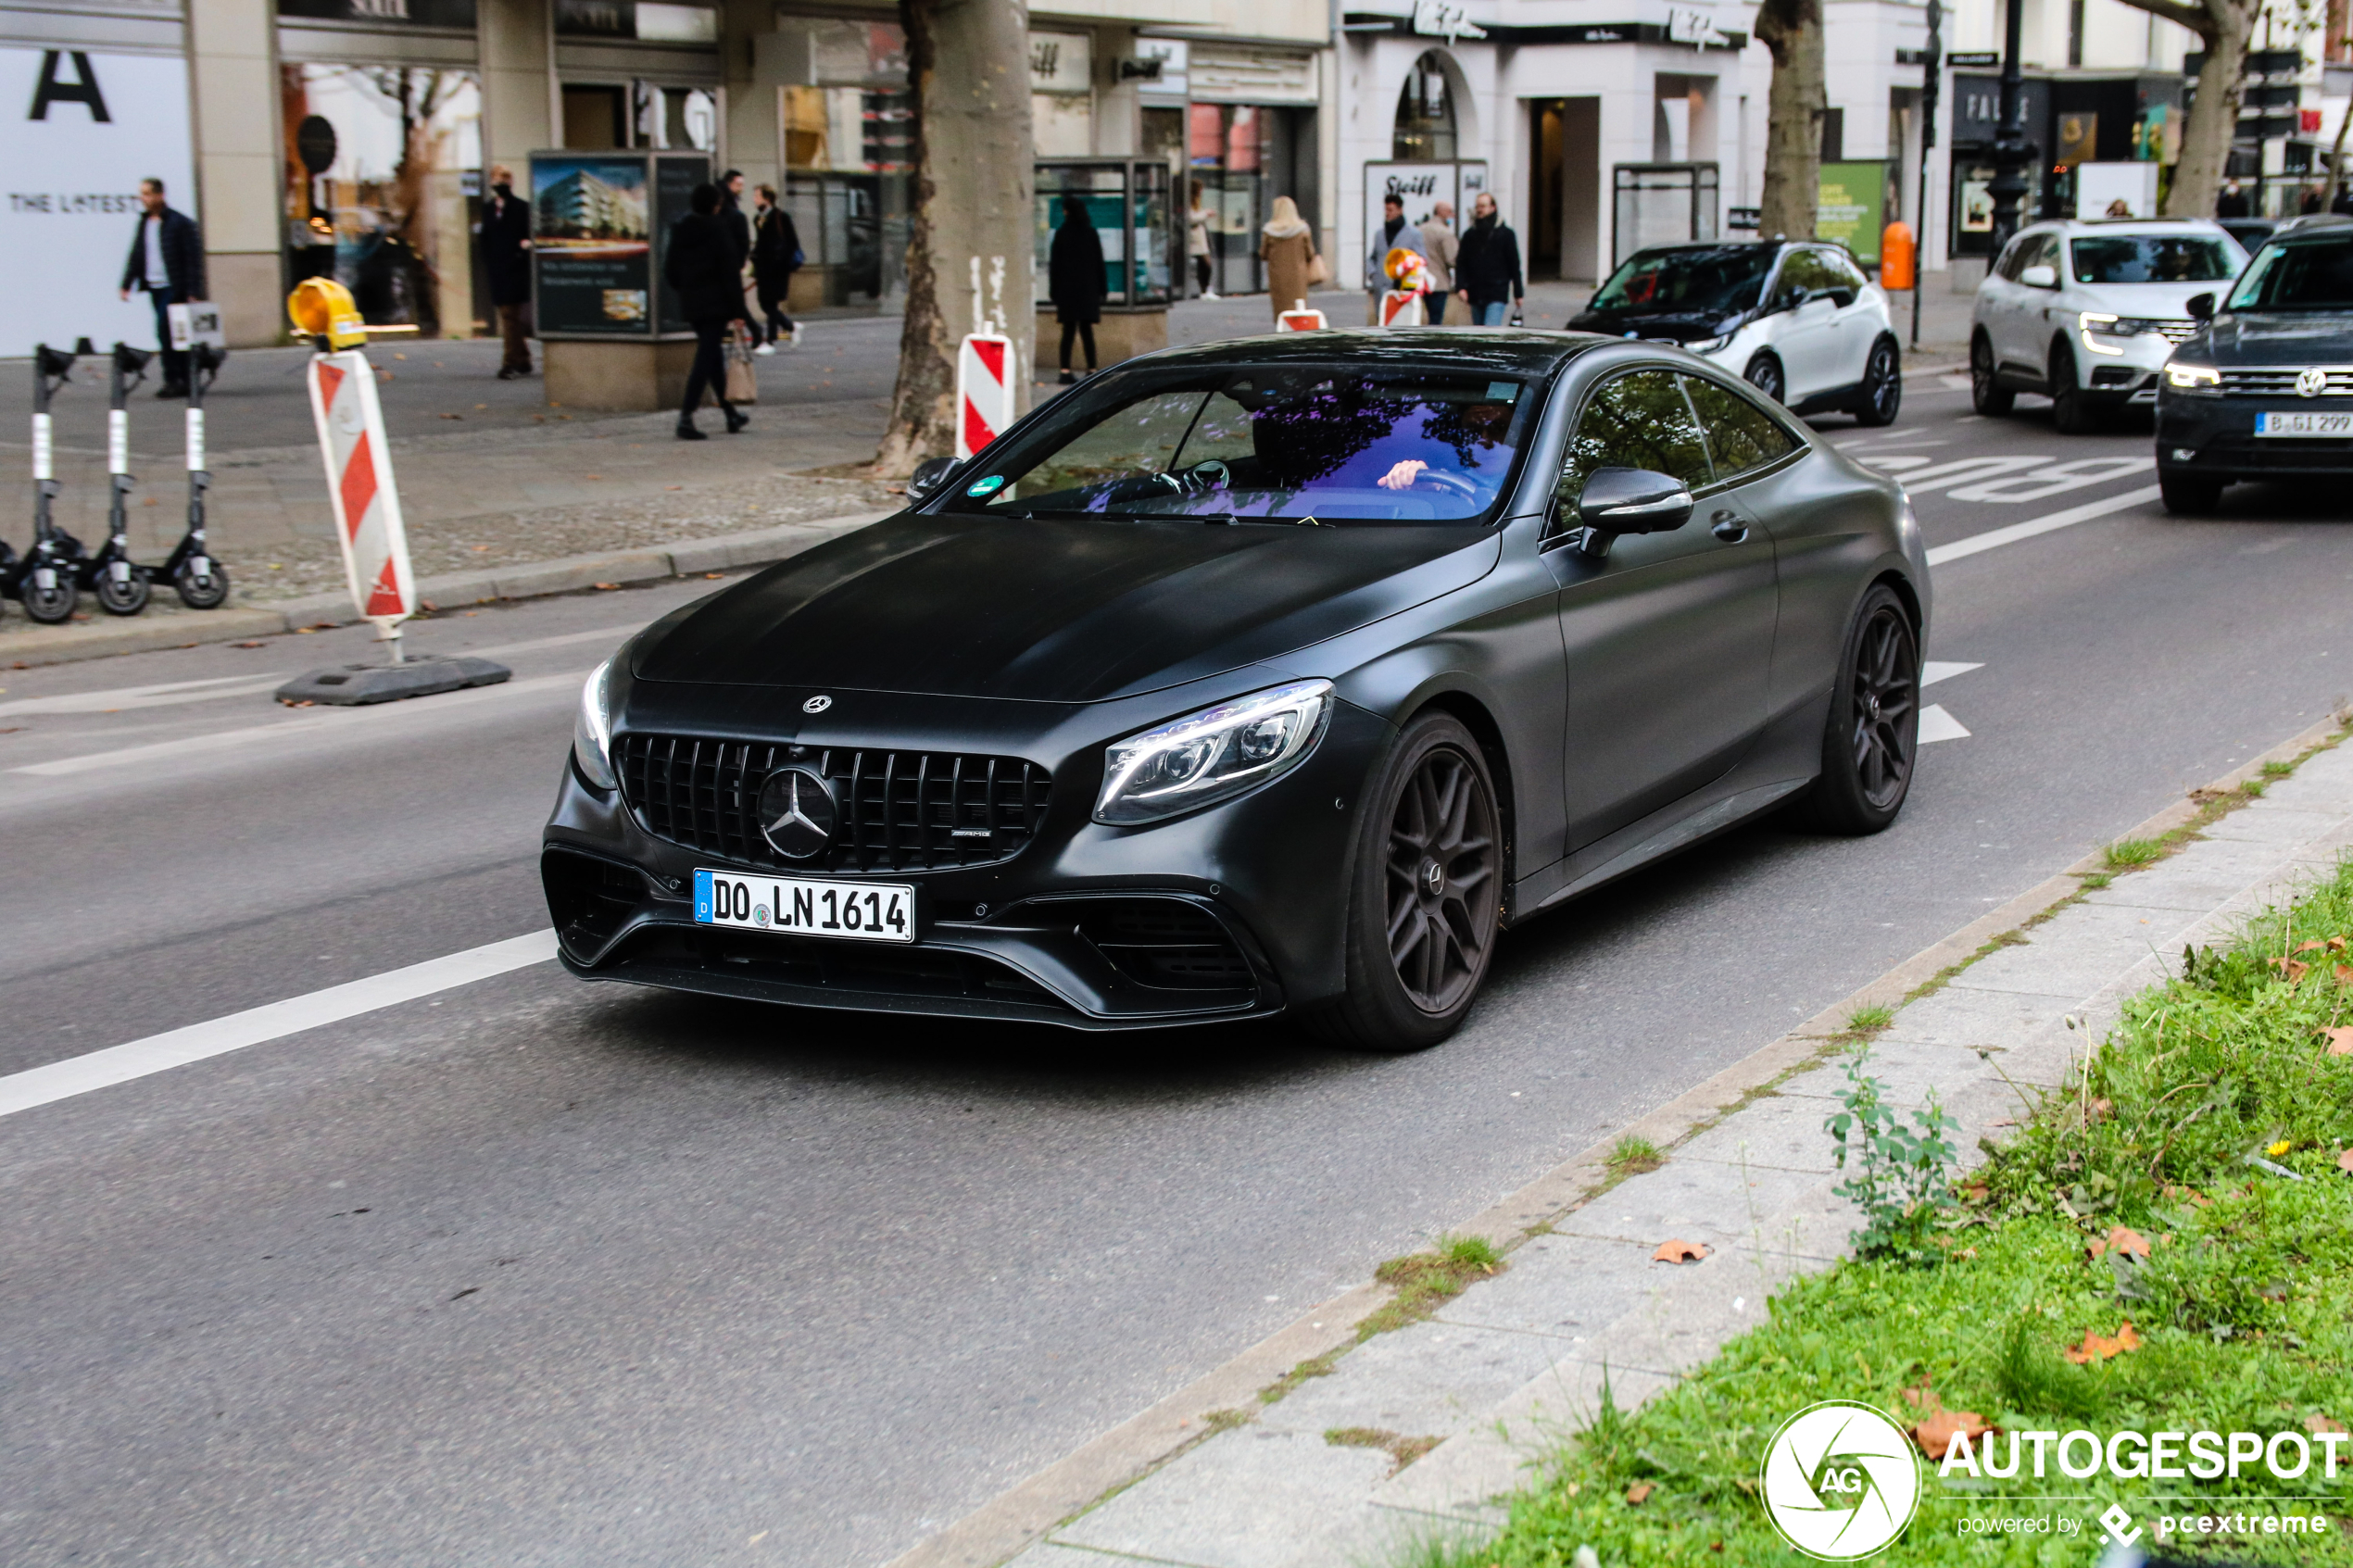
166 259
703 266
730 211
506 254
775 255
1487 271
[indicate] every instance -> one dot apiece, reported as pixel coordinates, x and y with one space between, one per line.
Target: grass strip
2196 1180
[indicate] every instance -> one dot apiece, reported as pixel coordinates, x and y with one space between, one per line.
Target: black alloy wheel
1883 385
1985 395
2072 412
1426 900
1872 737
1764 373
2187 495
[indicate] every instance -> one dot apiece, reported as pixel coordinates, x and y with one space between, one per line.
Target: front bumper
2214 437
1229 912
2121 369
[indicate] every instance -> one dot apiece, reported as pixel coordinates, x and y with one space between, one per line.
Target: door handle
1728 526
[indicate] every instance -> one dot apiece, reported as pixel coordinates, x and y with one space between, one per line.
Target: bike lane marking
1994 539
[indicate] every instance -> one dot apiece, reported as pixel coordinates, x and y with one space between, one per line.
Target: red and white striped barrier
359 486
1299 318
1402 308
984 389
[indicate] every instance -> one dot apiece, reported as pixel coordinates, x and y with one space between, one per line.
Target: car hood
1054 610
1678 326
2289 337
2155 302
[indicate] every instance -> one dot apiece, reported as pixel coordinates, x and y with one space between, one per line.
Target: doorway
1564 232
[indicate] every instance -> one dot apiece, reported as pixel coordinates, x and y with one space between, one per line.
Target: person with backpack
706 270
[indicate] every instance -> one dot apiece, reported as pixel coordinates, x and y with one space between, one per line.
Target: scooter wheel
123 596
53 604
207 589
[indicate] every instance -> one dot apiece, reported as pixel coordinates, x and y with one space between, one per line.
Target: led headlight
2104 324
1213 755
1708 344
2184 376
592 731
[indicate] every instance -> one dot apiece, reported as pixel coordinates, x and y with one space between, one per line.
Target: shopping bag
743 380
1318 270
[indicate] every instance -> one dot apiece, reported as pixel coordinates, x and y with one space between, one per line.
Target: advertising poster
675 182
83 129
591 246
1852 207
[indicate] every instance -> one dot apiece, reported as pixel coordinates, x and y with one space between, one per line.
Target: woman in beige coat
1288 246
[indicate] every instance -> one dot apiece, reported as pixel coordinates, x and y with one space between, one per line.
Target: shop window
677 119
1242 156
593 120
651 20
1425 130
389 211
849 152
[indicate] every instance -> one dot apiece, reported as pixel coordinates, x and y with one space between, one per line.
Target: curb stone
1166 1486
689 558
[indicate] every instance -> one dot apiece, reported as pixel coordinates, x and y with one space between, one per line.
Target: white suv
2086 313
1799 320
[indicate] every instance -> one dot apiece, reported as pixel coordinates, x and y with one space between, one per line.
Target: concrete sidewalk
1501 1374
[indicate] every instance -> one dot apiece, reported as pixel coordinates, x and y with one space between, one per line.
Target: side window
1636 420
1802 269
2044 252
1740 435
2013 259
1845 274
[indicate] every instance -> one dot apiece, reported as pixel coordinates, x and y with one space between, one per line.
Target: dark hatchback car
1275 676
2265 389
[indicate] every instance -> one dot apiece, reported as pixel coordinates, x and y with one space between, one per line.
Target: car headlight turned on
1213 755
2184 376
592 731
2098 324
1708 344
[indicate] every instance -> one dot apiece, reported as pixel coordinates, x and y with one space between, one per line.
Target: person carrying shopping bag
704 268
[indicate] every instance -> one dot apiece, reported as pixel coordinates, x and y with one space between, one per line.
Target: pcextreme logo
1841 1481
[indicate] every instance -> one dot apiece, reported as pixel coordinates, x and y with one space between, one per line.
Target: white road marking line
144 696
1994 539
1935 725
1932 671
311 723
1970 471
2043 484
177 1048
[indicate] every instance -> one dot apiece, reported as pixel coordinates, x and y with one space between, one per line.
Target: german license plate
2304 424
857 912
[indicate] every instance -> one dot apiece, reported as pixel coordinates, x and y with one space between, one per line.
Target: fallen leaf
1965 1252
606 587
2340 1040
2345 1160
1679 1252
2345 974
245 645
596 476
2099 1347
2124 1240
2097 1249
2317 1424
453 416
1936 1434
2293 969
713 576
479 549
2314 945
1638 1491
427 605
673 487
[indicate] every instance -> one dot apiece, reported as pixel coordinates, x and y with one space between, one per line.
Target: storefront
846 122
1250 137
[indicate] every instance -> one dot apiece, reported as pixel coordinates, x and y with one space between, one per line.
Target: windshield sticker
1503 391
986 486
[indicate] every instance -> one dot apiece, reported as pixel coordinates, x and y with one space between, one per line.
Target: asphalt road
534 1272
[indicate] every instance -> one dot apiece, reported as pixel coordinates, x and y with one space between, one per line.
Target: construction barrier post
984 389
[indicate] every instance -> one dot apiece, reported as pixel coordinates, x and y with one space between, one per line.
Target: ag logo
1841 1481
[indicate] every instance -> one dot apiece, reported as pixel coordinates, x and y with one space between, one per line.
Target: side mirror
2200 306
1841 297
2040 277
1631 501
929 475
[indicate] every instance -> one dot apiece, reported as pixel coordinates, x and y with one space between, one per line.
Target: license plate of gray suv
857 912
2304 424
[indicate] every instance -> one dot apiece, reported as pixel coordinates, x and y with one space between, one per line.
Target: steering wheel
1210 473
1453 482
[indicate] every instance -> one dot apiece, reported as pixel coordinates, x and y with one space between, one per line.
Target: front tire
1764 373
207 589
2073 413
52 605
1873 736
1883 385
123 595
1426 895
1985 395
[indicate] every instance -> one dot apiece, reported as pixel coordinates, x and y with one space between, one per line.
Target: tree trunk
1792 31
2214 118
969 249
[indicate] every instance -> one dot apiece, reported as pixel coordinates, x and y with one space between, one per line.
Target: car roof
1434 348
2092 226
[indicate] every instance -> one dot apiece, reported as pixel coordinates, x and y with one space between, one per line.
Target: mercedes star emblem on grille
2312 381
797 811
817 705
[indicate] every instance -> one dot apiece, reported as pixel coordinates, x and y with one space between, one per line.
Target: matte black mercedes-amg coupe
1277 676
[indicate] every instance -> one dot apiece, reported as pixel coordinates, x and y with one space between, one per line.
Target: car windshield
1302 444
2155 259
2300 275
1700 279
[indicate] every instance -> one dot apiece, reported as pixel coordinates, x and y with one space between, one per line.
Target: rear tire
2187 496
2072 412
1764 373
1424 903
1873 736
1985 395
1883 385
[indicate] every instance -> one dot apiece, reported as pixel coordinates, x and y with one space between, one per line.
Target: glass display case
1128 201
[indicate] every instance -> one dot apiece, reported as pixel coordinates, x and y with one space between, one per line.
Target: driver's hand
1402 477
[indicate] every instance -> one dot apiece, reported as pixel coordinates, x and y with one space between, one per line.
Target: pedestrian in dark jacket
506 254
1074 280
166 259
704 268
775 255
1487 270
731 209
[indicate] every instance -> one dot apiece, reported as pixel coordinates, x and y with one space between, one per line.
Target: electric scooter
123 586
43 579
